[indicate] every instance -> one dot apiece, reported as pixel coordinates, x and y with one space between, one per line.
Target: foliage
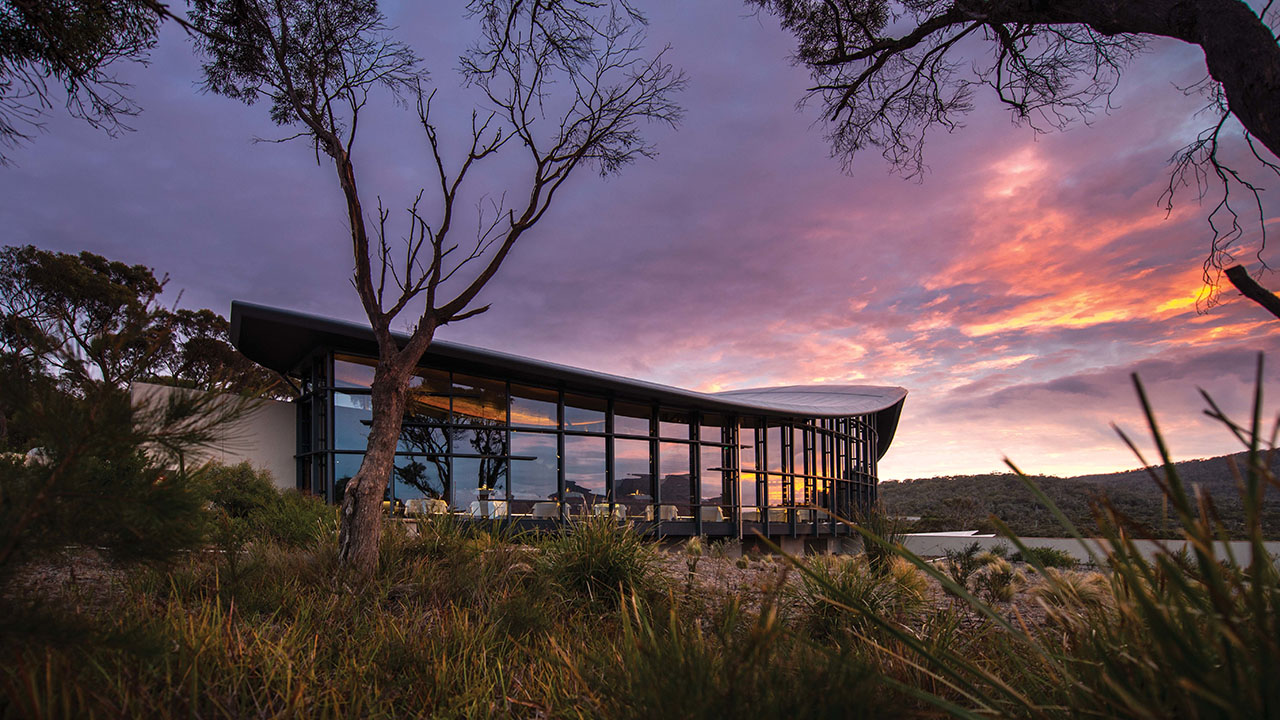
1161 636
1046 557
75 320
745 665
248 499
994 582
600 560
103 475
884 526
74 44
961 564
837 593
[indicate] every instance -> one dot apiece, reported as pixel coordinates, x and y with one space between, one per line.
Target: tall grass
1168 636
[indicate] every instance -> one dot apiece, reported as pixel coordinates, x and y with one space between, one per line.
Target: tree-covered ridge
966 502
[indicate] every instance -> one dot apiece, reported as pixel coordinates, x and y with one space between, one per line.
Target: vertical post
655 467
560 458
695 469
609 480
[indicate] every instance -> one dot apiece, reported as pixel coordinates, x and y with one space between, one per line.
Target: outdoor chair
488 509
665 512
602 510
711 513
425 506
546 510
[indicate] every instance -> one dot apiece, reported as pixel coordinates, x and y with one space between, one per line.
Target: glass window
584 413
428 439
713 490
673 462
479 401
421 476
479 476
773 490
631 418
673 424
345 467
747 447
534 471
534 407
798 448
352 415
489 441
747 489
584 473
773 448
633 487
350 371
428 396
711 430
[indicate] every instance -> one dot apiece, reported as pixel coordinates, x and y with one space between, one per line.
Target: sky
1013 291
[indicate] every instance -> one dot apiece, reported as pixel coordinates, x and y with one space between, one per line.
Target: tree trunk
360 524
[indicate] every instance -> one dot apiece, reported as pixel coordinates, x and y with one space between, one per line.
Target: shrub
961 564
994 582
600 560
837 593
248 507
1047 556
744 666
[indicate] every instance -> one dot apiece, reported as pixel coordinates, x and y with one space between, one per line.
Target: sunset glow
1012 291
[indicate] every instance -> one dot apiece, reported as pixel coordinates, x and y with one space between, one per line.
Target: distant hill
965 502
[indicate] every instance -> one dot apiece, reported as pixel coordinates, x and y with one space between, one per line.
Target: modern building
492 435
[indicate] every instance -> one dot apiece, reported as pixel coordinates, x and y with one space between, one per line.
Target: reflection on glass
351 415
631 419
352 372
633 487
584 474
773 448
420 477
713 491
747 448
747 490
479 400
710 431
479 479
533 407
773 490
673 463
534 474
345 466
583 413
673 424
798 451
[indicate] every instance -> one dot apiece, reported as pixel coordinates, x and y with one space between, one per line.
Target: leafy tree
74 45
568 86
101 474
889 71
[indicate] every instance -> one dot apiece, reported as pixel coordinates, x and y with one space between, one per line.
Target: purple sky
1012 292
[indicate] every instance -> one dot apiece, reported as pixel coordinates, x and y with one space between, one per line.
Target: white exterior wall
265 438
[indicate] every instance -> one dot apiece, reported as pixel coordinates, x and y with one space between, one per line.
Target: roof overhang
281 340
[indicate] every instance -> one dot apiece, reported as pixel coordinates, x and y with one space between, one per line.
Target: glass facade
485 447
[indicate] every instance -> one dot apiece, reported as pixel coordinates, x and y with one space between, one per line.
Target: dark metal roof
281 339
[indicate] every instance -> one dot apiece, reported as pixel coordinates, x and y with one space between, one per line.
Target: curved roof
281 339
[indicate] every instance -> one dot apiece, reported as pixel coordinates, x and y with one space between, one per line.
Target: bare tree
318 61
889 71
